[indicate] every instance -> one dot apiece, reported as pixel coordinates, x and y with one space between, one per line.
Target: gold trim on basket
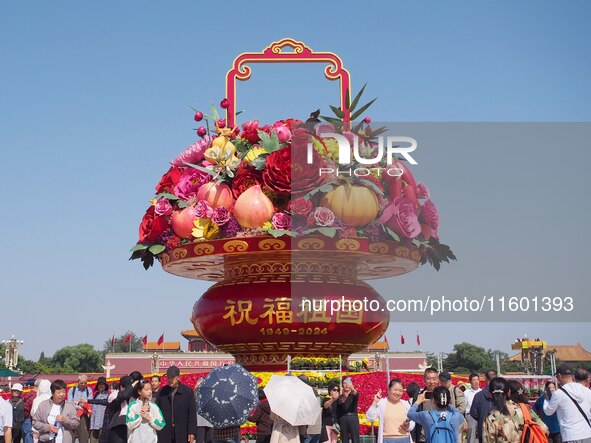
236 246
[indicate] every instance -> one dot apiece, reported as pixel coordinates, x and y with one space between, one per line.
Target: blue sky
94 104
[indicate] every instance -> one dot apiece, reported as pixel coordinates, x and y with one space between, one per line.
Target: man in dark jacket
482 404
177 403
262 417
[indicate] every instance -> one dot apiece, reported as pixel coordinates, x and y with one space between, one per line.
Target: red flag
113 341
161 340
127 339
418 339
386 341
145 340
402 339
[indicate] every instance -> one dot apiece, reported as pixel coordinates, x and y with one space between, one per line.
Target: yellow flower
205 228
253 153
267 225
153 201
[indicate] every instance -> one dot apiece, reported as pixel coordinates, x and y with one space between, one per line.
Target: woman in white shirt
391 411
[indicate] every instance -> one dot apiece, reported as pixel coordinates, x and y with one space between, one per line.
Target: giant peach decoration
354 205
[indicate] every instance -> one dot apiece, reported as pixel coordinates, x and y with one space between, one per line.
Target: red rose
300 206
152 227
287 170
250 131
304 176
277 175
169 180
245 177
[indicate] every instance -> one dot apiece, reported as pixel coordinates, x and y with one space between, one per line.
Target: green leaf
362 109
157 249
329 232
391 233
136 254
337 111
279 232
167 195
270 143
260 162
356 99
376 132
147 261
139 247
347 99
241 145
335 121
370 185
324 188
214 113
182 204
206 170
358 126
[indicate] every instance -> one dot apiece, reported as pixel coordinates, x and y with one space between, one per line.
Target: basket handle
274 54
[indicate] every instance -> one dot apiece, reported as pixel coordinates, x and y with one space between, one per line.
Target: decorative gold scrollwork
401 251
203 249
379 248
179 253
272 244
348 244
236 246
311 244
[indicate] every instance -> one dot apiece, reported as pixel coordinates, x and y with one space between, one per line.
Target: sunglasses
335 389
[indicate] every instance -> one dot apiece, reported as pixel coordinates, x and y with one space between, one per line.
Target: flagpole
113 343
130 343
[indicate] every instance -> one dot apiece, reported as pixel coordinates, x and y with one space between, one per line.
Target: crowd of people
138 410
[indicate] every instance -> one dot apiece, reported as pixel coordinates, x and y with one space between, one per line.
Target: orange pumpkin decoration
354 205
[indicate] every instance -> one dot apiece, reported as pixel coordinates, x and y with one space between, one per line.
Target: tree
79 358
468 358
121 346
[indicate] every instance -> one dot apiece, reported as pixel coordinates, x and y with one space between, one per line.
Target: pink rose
203 210
190 182
282 131
281 221
220 216
323 217
299 206
430 215
163 207
402 218
422 191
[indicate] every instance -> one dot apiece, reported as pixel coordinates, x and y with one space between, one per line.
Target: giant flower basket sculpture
260 210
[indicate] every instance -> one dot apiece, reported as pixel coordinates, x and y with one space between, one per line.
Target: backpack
441 430
532 432
18 413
